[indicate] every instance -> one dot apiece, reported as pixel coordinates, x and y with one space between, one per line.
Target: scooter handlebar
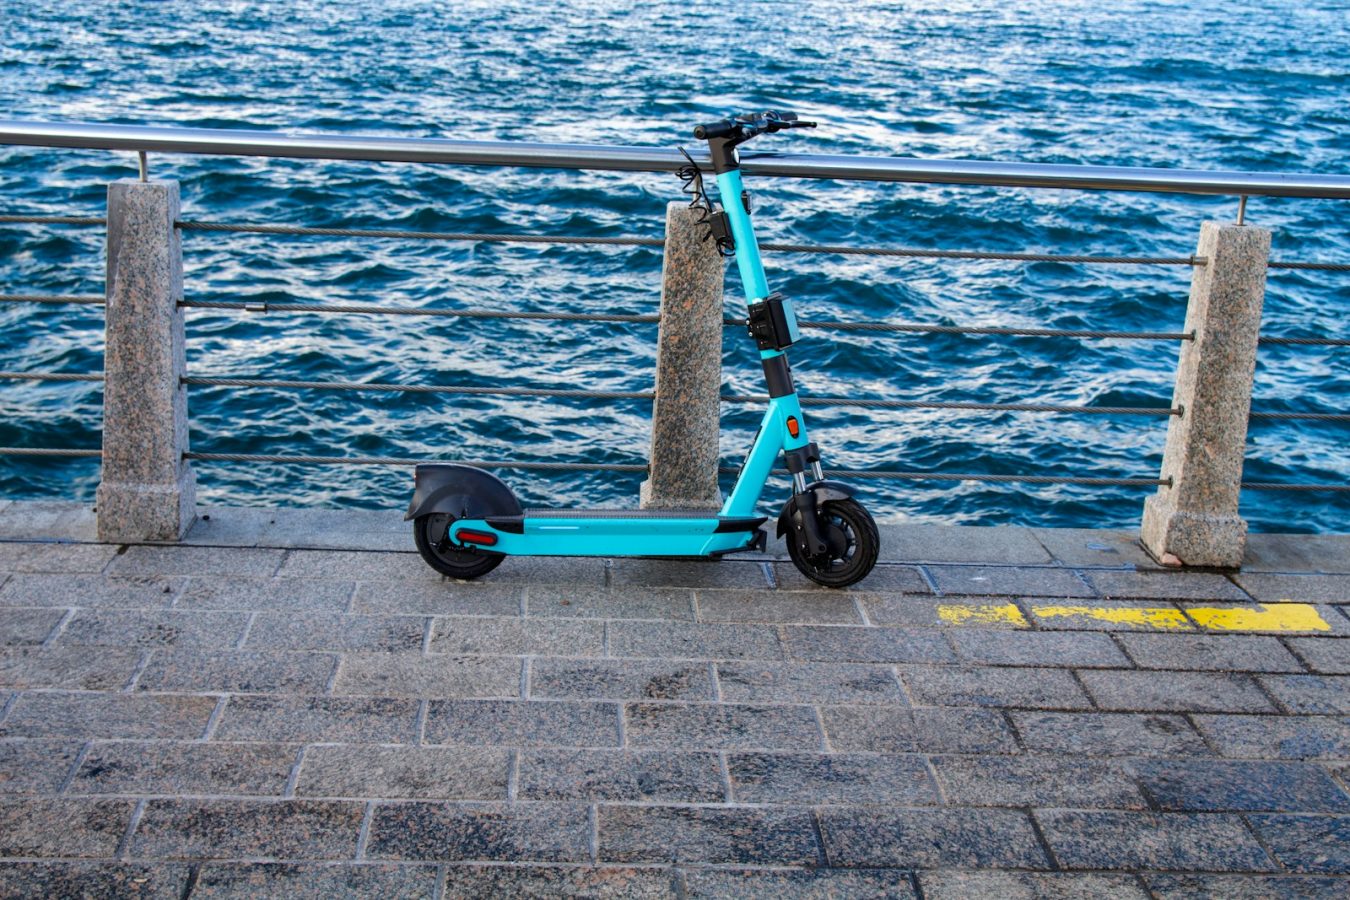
747 125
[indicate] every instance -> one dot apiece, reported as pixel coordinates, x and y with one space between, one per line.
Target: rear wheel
429 532
853 542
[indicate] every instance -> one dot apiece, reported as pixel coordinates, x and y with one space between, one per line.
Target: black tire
453 561
854 544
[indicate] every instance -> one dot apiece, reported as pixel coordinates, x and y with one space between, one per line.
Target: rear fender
460 491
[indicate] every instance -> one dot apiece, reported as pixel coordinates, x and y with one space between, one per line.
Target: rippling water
1193 84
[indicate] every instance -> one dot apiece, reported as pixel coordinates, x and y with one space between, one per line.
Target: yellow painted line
1158 617
1262 617
985 614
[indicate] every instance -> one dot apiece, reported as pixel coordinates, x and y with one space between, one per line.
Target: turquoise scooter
466 520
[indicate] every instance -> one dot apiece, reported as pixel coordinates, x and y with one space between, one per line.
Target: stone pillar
148 491
686 419
1195 522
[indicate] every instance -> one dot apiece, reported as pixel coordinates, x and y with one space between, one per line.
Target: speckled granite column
148 492
686 419
1195 522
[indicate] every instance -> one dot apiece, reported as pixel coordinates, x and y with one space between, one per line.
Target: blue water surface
1137 82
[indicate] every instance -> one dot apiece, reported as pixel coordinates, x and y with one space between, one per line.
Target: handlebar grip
720 128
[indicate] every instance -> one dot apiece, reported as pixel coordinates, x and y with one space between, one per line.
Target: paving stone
436 598
41 827
355 720
69 879
689 641
48 520
153 628
1246 887
757 682
720 726
1277 737
415 675
290 595
798 884
89 591
486 882
184 768
558 570
28 626
247 829
937 612
957 885
198 561
522 723
471 773
812 779
235 671
327 631
885 577
1326 553
1170 585
538 832
1092 547
315 882
815 607
1319 844
517 637
702 834
1023 781
1107 734
1296 587
67 667
829 643
621 679
35 767
879 729
357 566
1004 581
1161 841
1037 648
64 557
962 544
1210 652
930 838
1324 655
577 602
1221 785
712 573
1310 694
1148 691
93 716
981 686
1109 615
655 776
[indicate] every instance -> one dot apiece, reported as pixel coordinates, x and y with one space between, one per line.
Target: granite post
1195 522
148 491
686 419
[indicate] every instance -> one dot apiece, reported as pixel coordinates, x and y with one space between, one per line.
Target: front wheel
429 532
853 543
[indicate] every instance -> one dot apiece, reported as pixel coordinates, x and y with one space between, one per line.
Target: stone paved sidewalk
994 713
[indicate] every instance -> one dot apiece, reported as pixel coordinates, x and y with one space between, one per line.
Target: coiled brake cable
692 179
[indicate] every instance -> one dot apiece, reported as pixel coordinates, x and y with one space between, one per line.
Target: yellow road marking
1261 617
986 614
1159 617
1265 617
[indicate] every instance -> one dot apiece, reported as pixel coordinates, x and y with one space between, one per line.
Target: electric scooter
466 520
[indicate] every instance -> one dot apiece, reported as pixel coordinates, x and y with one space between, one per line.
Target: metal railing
565 156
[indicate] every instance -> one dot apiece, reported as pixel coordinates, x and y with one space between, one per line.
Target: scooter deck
612 532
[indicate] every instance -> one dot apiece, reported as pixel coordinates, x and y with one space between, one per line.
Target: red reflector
794 427
486 538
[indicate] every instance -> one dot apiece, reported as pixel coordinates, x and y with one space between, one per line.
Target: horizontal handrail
223 142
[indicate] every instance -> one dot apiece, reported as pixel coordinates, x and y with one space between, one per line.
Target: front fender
461 491
818 492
